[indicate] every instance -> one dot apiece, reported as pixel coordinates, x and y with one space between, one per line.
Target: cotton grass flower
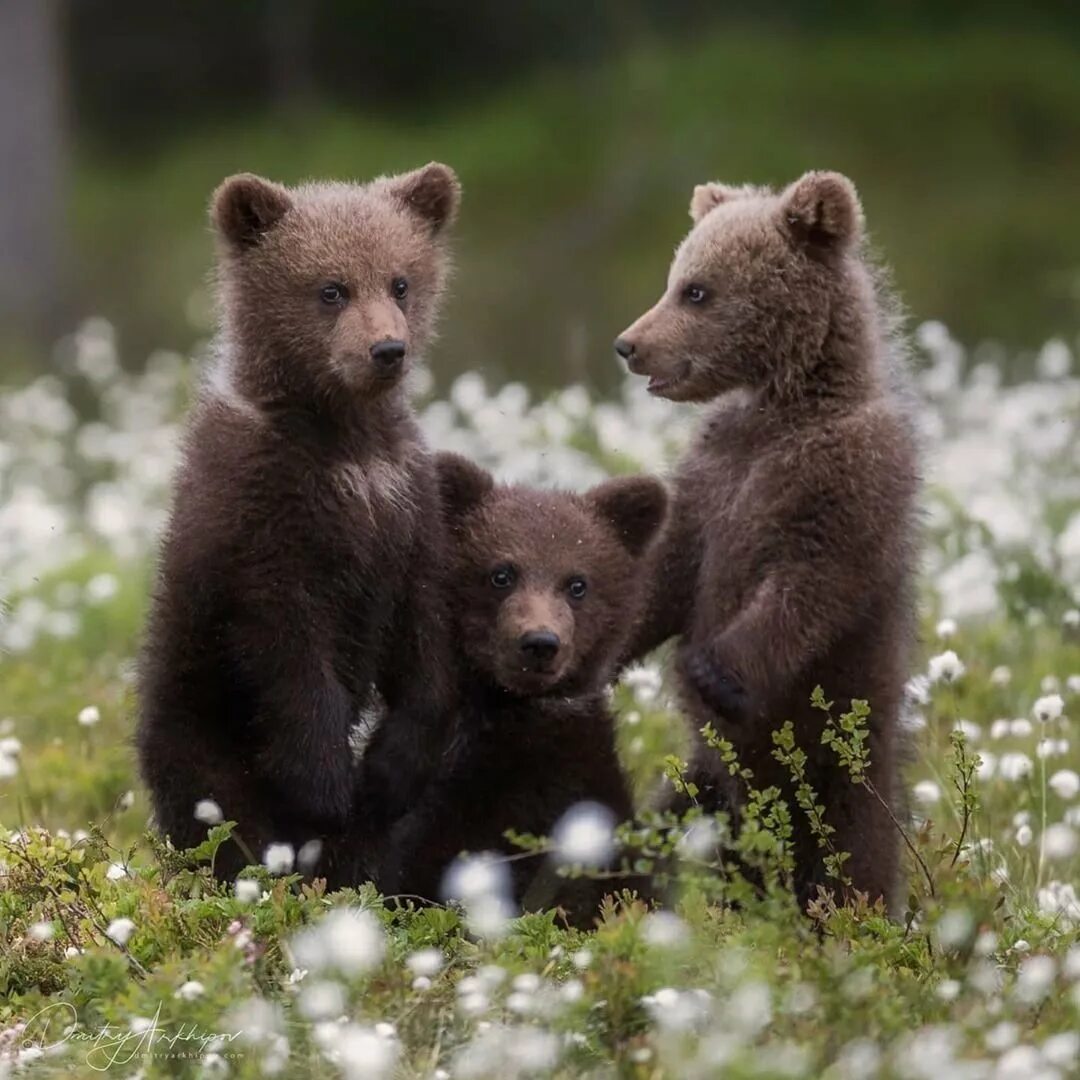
1024 835
945 668
946 629
208 812
190 990
247 890
89 716
1059 842
279 858
1048 708
1014 766
584 835
664 930
1065 783
926 792
427 962
348 940
120 930
41 931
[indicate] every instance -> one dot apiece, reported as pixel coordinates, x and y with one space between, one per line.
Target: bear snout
388 357
539 648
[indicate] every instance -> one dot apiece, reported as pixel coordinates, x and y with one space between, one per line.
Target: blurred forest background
578 130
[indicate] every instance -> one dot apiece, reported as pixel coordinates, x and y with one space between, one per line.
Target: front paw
717 685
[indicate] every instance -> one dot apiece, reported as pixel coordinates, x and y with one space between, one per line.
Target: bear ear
707 197
462 485
634 506
245 207
433 193
822 210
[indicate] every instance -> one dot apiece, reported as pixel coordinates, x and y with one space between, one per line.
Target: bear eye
695 293
399 288
333 293
577 588
502 577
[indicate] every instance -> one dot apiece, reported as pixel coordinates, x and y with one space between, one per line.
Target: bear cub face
331 288
751 288
545 585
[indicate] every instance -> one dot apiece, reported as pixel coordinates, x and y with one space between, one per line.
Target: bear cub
789 559
544 587
298 575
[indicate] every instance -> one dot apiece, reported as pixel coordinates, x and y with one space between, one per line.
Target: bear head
545 586
751 291
330 289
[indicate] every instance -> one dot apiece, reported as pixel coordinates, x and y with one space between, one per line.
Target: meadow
118 954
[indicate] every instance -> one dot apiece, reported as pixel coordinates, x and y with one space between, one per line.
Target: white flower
955 927
119 930
700 839
926 792
1072 684
1048 708
247 890
1062 1049
1048 748
421 982
987 766
1001 676
117 871
947 667
1065 784
321 1000
9 767
41 931
1000 729
208 812
1014 766
425 962
475 877
1035 977
1021 727
349 940
644 681
1059 842
946 629
664 929
89 716
126 801
278 858
581 959
71 952
190 990
10 746
1024 835
307 858
1071 618
583 835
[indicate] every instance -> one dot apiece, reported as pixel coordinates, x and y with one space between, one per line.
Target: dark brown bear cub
543 587
298 571
788 562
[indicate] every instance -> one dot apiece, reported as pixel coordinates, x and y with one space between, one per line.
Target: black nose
624 348
539 646
388 354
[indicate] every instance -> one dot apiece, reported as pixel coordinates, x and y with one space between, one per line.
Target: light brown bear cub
299 571
789 558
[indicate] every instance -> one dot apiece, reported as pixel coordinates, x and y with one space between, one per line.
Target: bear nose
539 646
388 355
624 348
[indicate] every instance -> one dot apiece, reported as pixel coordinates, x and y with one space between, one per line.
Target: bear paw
717 685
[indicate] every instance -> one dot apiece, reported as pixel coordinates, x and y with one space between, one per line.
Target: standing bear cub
544 588
299 570
788 562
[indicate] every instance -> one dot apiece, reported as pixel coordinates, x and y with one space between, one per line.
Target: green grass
788 995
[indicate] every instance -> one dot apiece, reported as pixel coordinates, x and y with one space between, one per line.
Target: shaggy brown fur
789 557
299 568
543 587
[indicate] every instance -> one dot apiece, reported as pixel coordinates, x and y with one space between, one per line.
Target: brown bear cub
298 575
788 561
543 589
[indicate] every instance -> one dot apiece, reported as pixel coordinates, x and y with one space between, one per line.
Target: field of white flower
119 955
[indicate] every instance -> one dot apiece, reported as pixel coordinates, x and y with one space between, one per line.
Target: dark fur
527 745
788 560
299 571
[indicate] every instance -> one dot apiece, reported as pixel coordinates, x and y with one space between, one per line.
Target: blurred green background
578 130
